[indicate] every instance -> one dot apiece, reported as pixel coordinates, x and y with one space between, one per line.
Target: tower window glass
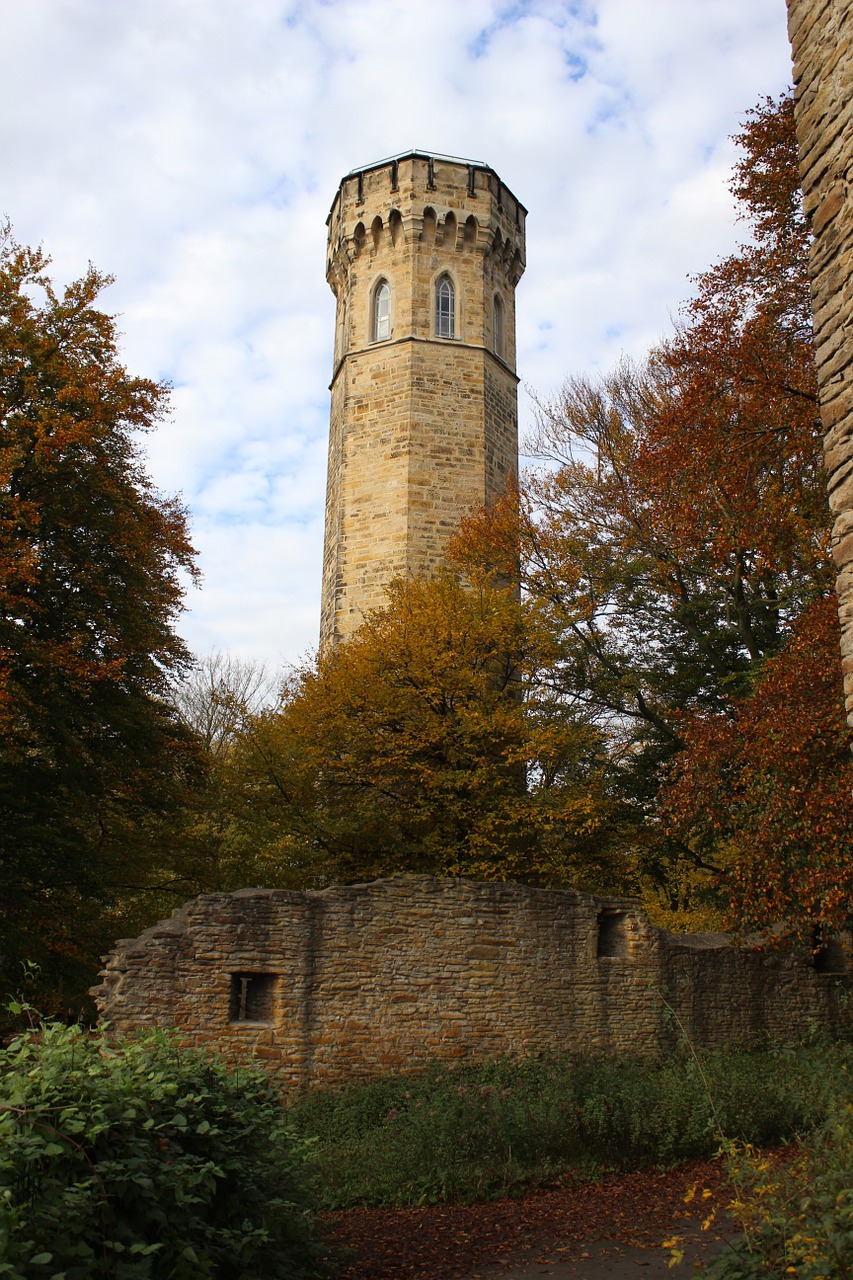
382 311
445 308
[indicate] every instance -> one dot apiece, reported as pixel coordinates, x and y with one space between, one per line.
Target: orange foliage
731 458
90 565
676 543
766 788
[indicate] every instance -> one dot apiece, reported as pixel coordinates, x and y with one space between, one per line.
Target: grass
492 1130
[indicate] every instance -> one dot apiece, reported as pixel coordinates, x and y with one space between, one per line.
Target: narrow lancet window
498 328
382 312
445 308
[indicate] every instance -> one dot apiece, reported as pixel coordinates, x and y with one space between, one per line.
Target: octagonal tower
424 254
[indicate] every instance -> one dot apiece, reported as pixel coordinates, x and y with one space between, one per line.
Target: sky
192 148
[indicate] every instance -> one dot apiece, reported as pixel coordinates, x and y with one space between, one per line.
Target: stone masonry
821 33
424 419
355 981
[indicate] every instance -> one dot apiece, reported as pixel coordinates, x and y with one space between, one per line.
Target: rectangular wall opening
252 997
612 942
829 955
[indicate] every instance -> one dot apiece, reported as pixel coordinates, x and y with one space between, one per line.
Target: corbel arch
428 225
449 230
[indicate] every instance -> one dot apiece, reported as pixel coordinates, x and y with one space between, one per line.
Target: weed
490 1130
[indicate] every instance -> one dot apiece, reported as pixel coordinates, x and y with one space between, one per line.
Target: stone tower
424 254
821 34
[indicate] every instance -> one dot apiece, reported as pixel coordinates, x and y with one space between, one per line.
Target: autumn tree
91 753
761 788
679 529
426 742
216 836
764 790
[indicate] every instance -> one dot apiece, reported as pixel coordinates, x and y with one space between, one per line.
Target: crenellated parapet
409 218
462 204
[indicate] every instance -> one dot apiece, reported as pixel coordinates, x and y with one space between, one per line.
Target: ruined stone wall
821 32
423 427
355 981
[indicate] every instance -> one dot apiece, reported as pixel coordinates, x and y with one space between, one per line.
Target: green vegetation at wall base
494 1130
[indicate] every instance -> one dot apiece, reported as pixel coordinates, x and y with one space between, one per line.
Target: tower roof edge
415 154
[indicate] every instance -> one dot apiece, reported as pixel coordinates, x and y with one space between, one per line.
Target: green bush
445 1135
797 1218
490 1130
141 1159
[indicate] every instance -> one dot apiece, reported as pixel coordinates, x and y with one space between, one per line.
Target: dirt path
545 1234
606 1260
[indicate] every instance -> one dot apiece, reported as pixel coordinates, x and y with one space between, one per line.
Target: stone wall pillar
821 33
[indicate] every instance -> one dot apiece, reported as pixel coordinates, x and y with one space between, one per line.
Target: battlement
425 200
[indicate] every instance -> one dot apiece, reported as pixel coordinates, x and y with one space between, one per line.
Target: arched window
445 308
498 327
382 311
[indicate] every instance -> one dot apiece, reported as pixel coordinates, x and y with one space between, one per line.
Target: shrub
488 1130
141 1159
797 1217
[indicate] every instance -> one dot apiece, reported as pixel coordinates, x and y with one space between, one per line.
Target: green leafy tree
92 756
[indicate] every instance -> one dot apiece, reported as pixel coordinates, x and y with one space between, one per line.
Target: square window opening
612 941
829 955
252 997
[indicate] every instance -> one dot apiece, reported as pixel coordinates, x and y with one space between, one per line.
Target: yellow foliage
427 742
691 889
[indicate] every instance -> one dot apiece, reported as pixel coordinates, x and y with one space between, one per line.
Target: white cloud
193 147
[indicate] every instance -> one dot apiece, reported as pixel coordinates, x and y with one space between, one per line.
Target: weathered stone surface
821 32
369 978
423 428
